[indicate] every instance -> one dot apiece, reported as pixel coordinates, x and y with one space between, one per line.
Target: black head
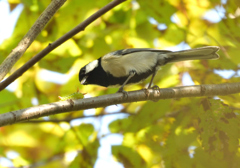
82 75
93 73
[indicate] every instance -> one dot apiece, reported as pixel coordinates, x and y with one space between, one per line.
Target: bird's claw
156 87
146 92
125 94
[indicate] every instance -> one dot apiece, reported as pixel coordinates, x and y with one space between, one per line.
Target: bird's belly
137 78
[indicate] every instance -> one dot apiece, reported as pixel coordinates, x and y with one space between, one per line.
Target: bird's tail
209 52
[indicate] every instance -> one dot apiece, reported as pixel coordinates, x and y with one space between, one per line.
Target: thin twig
27 40
58 42
223 49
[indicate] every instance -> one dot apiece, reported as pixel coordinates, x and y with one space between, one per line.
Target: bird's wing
133 50
120 63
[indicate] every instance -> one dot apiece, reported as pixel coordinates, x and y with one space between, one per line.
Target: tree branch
58 42
117 98
27 40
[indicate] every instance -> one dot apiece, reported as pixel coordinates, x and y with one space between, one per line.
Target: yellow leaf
19 138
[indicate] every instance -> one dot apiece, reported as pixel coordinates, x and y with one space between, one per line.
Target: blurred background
168 133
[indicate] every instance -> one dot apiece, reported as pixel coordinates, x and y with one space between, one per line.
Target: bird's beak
84 80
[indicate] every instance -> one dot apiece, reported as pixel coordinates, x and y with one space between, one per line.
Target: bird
134 65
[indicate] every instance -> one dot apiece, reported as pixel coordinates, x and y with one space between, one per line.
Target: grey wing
133 50
120 63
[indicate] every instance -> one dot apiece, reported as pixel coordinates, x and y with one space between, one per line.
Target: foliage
73 96
180 133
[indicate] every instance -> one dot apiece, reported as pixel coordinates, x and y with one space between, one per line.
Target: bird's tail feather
209 52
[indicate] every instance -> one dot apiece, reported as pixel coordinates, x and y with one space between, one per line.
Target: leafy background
181 133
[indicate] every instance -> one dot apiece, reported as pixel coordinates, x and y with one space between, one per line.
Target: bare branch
58 42
118 98
27 40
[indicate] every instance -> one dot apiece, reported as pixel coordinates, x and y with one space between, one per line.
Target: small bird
129 66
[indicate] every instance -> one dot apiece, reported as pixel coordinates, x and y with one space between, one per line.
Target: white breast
120 66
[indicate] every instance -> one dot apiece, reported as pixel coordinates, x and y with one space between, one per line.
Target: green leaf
128 157
8 101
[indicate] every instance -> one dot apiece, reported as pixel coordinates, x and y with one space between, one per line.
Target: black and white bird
134 65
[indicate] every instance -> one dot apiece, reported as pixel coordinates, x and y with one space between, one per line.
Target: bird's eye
83 70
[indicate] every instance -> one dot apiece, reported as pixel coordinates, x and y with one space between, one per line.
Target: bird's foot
155 87
125 94
146 91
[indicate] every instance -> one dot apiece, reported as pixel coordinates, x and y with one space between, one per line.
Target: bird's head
87 71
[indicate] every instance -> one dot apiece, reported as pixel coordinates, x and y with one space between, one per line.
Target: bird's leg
153 75
131 74
155 87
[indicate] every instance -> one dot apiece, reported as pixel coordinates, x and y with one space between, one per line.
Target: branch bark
27 40
118 98
58 42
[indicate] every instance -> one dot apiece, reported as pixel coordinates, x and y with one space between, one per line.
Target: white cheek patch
91 66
